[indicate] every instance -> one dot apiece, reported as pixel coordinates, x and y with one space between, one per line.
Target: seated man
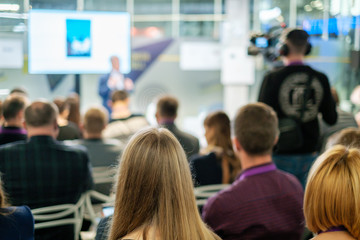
263 202
13 112
166 113
123 123
42 172
102 152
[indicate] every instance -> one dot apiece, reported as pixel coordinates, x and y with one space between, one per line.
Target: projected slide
78 38
65 42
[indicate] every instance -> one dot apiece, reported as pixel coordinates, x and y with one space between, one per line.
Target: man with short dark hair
123 123
263 202
42 172
297 93
166 113
13 112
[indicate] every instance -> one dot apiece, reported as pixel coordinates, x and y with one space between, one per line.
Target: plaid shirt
42 172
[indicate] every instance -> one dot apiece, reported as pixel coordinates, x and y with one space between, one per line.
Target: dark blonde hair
332 193
95 120
220 123
154 189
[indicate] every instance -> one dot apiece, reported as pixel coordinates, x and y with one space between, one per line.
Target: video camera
266 44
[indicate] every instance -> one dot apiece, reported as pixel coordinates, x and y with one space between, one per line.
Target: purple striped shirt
263 203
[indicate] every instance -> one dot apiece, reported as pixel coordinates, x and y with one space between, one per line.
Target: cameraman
297 93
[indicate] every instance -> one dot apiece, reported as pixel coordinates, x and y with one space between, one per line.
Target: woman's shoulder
17 222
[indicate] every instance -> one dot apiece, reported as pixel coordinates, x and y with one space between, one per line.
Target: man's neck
166 120
88 135
120 110
295 58
13 123
249 161
41 131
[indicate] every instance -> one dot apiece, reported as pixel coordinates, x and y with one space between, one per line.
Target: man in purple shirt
263 202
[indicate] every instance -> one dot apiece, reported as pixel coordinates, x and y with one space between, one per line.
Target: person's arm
328 106
104 89
212 215
266 94
128 84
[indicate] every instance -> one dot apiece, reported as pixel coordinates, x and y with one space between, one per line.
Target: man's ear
236 144
276 140
24 125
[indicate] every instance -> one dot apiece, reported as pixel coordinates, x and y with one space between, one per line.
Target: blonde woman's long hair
332 193
154 190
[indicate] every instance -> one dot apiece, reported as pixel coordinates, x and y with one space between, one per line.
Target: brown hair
256 128
62 104
155 190
119 95
41 113
332 193
220 123
74 113
167 106
95 120
348 137
13 105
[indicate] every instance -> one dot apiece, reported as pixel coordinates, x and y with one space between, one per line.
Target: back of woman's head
154 189
220 123
332 194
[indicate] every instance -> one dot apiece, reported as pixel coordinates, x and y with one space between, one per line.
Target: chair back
202 193
59 215
103 174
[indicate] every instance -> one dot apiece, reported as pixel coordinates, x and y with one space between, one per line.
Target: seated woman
15 222
217 163
332 202
67 129
154 191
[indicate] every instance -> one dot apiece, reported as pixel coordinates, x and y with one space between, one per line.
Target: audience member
41 171
13 112
74 112
217 163
344 120
102 152
67 129
123 123
348 137
263 202
15 222
332 202
19 90
298 94
166 113
161 205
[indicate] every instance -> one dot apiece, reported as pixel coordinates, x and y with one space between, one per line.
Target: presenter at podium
114 80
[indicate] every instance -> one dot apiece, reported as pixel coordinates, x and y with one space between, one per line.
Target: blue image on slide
78 38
